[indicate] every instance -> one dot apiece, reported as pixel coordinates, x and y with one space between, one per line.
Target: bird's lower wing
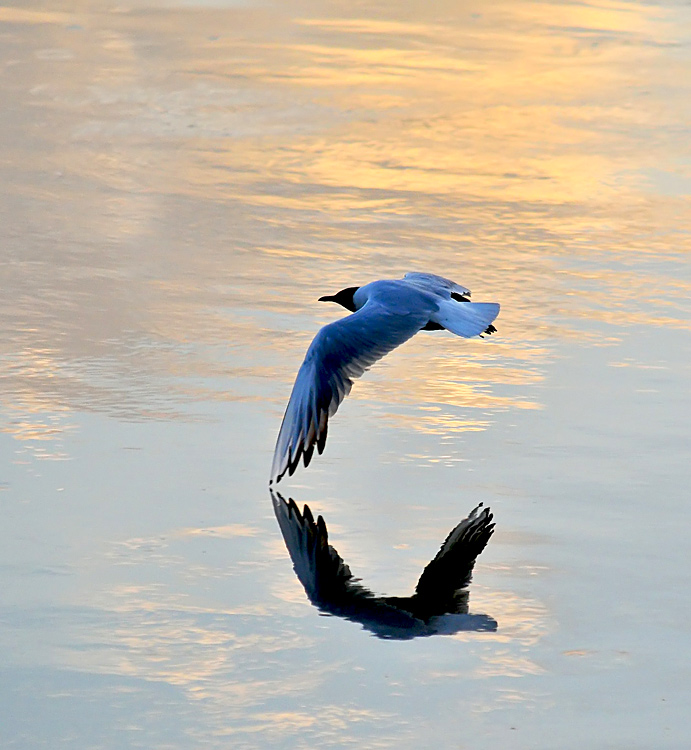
339 354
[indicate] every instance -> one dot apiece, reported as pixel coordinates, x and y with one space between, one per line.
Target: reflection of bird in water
385 314
439 604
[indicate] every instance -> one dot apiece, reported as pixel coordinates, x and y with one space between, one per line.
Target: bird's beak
326 299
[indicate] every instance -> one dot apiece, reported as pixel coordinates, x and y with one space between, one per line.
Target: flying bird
384 315
439 605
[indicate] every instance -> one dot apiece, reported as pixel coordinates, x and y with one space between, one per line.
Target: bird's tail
467 318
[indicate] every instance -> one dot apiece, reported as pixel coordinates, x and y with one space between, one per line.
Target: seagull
439 605
384 314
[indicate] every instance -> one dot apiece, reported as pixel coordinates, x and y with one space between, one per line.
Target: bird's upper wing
433 283
340 352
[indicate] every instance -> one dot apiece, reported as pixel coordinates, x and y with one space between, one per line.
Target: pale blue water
180 183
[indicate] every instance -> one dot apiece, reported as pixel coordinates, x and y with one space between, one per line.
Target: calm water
179 184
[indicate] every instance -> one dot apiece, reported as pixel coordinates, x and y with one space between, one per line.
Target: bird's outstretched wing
452 568
339 354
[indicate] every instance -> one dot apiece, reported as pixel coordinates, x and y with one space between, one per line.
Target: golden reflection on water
489 136
486 142
22 15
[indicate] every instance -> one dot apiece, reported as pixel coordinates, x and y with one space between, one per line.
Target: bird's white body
386 313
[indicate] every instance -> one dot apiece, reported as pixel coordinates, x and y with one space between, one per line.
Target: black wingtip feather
460 297
321 526
321 440
307 455
292 508
307 515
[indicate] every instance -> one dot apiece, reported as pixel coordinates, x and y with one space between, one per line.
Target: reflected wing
330 585
339 354
452 568
319 567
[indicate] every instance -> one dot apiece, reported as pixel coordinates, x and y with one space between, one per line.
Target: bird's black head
344 298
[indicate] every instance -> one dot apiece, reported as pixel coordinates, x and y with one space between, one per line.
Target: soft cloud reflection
238 661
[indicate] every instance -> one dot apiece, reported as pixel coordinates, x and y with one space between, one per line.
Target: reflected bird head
343 298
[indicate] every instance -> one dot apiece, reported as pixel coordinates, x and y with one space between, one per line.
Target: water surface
180 183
